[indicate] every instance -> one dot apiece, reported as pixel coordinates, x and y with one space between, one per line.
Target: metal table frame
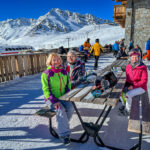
92 129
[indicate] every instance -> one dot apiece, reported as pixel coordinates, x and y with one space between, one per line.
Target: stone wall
137 22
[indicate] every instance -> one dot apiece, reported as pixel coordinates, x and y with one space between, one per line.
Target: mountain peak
56 20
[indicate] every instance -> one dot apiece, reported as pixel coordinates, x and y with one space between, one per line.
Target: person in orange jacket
147 50
96 50
86 48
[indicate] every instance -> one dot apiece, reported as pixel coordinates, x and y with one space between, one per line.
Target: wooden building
120 12
134 16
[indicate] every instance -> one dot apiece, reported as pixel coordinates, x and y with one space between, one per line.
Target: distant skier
115 48
86 48
96 50
147 50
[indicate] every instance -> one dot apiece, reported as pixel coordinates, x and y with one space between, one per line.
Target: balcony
119 0
120 14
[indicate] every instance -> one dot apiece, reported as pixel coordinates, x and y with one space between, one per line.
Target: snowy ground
107 34
20 129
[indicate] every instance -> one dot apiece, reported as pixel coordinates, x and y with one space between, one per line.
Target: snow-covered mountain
64 21
55 20
14 28
58 28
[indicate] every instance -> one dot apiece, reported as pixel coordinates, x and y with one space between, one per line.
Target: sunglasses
71 56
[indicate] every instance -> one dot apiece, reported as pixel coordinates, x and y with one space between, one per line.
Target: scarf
57 69
135 64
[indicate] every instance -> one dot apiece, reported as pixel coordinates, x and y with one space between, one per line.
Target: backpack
81 48
102 83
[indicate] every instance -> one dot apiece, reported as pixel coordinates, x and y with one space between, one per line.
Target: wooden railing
12 66
119 11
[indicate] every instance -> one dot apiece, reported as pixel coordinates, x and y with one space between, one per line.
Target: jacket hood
77 62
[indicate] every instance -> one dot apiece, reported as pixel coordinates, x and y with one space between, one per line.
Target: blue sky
12 9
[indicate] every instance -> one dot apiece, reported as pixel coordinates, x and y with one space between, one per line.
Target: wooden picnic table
109 99
82 93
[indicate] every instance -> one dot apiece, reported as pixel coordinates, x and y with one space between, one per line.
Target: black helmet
88 39
97 40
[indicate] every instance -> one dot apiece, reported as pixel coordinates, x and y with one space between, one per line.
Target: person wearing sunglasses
75 67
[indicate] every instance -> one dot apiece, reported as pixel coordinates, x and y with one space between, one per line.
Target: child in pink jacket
136 80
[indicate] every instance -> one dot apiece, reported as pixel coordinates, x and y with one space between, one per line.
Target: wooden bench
45 112
106 50
139 121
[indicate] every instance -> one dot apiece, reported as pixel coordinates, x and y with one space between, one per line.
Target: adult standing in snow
96 50
76 68
147 50
140 50
115 48
55 83
61 50
131 45
121 44
86 48
136 80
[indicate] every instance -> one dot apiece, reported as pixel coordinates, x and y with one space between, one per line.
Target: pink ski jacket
138 76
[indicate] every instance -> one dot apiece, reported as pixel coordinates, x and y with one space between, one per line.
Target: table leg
54 133
92 129
100 143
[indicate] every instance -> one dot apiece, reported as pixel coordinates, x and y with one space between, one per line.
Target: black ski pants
96 62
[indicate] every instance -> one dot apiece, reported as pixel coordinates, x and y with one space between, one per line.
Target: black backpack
106 81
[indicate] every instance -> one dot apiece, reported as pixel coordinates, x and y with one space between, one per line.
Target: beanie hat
134 51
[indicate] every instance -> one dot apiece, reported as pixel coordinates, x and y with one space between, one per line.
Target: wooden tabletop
82 93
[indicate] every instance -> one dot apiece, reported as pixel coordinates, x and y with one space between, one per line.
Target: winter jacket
115 47
77 72
148 45
138 77
55 83
131 45
96 49
121 44
86 45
